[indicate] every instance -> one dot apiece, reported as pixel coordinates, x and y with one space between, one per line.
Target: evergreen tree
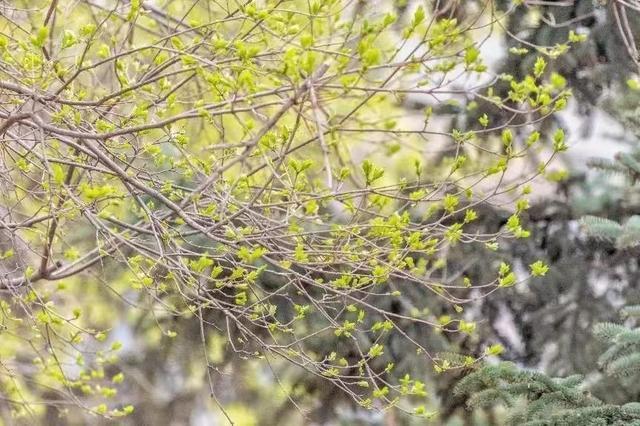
533 398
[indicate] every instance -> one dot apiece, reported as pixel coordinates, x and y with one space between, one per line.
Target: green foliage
622 358
533 398
624 235
598 227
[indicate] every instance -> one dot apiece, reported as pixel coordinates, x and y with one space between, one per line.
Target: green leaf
539 66
40 37
418 16
371 171
508 280
538 269
471 55
376 350
371 56
558 141
68 39
450 202
494 350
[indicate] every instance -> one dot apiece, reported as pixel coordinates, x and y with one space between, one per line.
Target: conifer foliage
533 398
